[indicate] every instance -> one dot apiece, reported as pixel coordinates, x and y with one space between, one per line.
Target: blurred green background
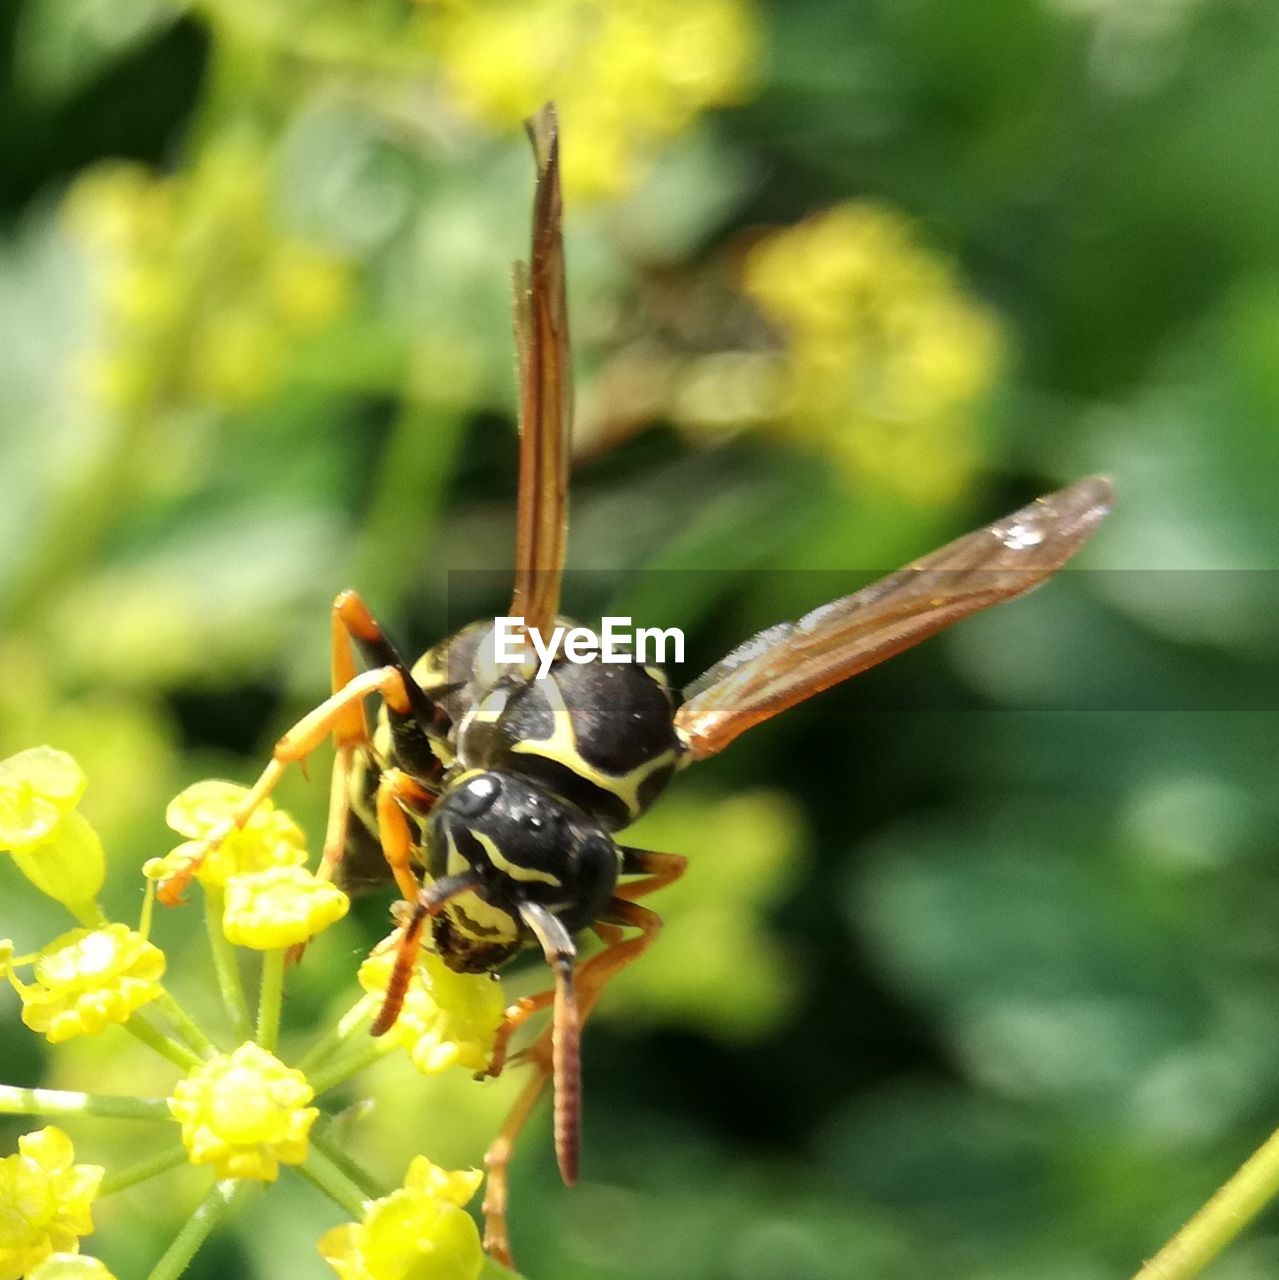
975 972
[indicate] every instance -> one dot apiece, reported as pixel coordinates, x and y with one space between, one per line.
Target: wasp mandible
507 792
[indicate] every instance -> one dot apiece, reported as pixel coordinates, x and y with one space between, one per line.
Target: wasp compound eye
475 797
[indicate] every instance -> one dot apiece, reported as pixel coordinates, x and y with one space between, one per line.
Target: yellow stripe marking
513 869
562 747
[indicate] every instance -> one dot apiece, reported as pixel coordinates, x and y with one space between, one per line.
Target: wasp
495 798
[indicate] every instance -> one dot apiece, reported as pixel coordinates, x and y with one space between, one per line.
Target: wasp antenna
566 1037
430 901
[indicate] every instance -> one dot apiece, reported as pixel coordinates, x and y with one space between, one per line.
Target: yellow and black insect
508 790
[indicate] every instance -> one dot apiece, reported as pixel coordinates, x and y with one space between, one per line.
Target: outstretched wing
794 660
546 392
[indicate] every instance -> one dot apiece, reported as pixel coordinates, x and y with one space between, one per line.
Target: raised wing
546 392
794 660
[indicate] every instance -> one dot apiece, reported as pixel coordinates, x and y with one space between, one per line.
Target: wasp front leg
342 715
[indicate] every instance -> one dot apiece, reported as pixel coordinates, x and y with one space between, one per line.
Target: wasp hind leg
622 914
342 715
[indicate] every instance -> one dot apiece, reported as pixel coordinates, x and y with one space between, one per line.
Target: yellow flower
888 357
279 907
88 978
70 1266
449 1019
52 844
44 1201
418 1232
38 788
245 1113
626 74
270 838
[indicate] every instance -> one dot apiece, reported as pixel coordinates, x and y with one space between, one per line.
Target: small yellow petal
280 907
448 1018
419 1232
88 978
70 1266
38 788
68 866
45 1200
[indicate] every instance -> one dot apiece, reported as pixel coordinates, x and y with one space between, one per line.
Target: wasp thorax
525 845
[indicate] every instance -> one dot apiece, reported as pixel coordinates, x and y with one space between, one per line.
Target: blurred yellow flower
626 74
87 979
44 1201
449 1019
270 838
245 1113
888 358
200 295
70 1266
280 906
38 788
418 1232
53 845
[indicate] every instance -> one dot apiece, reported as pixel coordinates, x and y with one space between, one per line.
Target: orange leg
294 746
394 788
497 1160
513 1019
622 914
350 732
658 869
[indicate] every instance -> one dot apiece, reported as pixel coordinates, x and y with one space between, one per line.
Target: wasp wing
546 392
794 660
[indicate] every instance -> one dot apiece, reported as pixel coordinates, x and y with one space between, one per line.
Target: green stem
210 1211
349 1064
323 1140
141 1170
15 1101
325 1049
271 998
324 1173
166 1046
1235 1204
192 1033
226 965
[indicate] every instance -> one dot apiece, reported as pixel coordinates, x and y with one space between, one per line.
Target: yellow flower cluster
449 1019
44 1201
52 843
245 1113
199 295
87 979
627 74
419 1232
271 899
887 357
